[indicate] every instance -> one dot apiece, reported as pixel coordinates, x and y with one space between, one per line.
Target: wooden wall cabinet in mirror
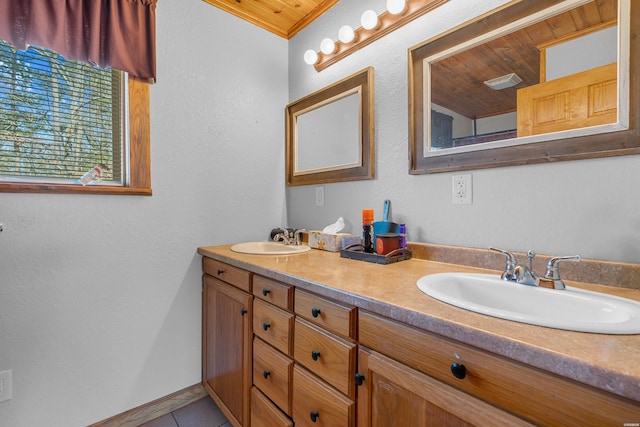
533 81
330 133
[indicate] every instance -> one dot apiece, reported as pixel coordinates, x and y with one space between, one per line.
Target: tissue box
327 242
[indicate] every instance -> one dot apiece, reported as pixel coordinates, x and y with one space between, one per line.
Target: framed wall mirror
533 81
330 133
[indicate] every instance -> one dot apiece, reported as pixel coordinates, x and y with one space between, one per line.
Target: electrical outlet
462 190
5 385
319 196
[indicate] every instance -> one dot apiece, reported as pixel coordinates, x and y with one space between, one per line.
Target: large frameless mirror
534 81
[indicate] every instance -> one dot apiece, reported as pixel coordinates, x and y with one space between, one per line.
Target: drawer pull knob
359 379
266 374
314 416
266 326
266 292
220 272
315 312
315 355
243 312
458 370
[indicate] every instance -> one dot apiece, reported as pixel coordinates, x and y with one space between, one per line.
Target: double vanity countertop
607 362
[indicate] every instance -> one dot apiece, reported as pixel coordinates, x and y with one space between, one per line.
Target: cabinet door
393 394
227 348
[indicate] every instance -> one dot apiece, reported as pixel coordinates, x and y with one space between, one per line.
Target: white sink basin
572 309
269 248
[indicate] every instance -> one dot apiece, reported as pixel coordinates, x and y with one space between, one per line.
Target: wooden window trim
139 154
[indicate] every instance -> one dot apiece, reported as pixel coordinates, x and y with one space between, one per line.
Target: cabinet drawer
266 414
316 404
272 374
338 318
535 395
276 293
330 357
230 274
273 325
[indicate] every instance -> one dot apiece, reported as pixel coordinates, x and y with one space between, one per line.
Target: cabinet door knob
265 292
359 379
266 374
266 326
458 370
314 416
315 355
220 271
315 312
243 312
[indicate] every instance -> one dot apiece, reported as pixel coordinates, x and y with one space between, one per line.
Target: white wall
588 207
100 295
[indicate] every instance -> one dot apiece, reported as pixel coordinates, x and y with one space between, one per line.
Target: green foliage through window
58 118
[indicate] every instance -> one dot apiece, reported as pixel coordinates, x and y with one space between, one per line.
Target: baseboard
157 408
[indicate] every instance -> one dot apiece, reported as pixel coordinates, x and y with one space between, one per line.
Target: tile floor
201 413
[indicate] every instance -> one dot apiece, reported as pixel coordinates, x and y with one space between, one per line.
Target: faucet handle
297 239
512 262
553 269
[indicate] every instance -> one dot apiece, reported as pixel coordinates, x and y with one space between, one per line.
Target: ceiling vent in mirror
503 82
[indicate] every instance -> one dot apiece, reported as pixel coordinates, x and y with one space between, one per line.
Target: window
60 118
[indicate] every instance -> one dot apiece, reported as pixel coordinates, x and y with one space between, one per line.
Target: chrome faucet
524 275
285 236
290 237
512 262
553 273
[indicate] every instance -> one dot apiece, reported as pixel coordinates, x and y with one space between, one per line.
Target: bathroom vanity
318 340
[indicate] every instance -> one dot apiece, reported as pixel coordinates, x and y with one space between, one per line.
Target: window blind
58 118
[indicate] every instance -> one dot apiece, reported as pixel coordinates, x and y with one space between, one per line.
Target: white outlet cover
462 189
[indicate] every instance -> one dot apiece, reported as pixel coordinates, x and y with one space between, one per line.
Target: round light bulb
395 7
369 20
310 57
327 46
346 34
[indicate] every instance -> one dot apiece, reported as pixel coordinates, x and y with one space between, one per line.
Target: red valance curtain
116 33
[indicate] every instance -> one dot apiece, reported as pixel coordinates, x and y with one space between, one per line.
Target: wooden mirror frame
366 170
616 143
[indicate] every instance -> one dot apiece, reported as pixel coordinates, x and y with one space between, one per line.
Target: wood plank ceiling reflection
457 81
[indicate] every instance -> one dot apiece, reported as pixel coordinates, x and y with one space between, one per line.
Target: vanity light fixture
346 34
503 82
396 7
369 20
327 46
398 13
310 57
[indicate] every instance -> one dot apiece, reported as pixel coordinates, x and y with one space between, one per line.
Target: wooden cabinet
275 355
265 414
226 344
534 395
330 315
325 356
329 356
393 394
272 351
272 373
317 404
273 325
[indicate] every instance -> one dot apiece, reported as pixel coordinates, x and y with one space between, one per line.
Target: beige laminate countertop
608 362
